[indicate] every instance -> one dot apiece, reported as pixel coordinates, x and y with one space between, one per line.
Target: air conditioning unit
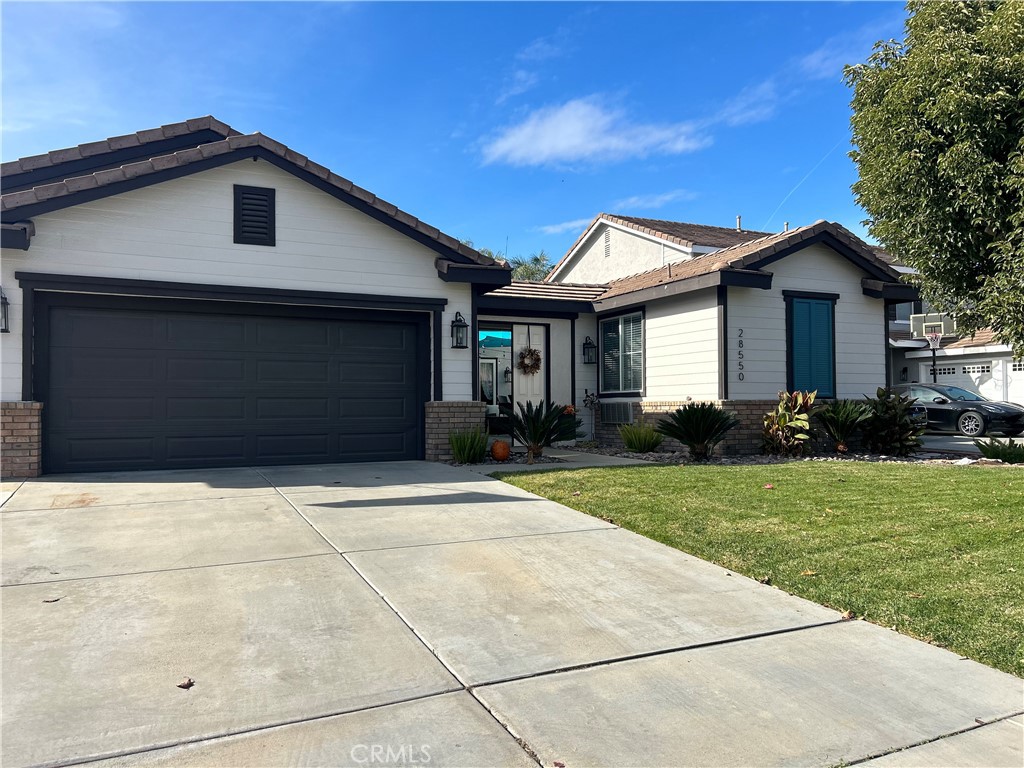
616 413
922 325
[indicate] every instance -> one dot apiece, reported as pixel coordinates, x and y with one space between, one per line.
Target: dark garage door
156 383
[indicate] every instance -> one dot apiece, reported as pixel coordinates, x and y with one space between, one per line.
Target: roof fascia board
991 349
216 161
530 306
901 292
70 169
477 274
825 238
737 278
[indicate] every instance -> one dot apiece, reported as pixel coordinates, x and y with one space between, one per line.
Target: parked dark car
955 409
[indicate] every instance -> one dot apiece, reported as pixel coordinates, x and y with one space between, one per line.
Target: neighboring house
189 296
978 362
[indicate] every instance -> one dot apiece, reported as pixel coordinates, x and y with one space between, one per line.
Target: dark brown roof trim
878 289
743 278
479 274
18 235
61 164
51 197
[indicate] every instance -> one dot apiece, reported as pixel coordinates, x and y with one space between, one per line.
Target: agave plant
538 426
841 420
698 426
890 428
788 427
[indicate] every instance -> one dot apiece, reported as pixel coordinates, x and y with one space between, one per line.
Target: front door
530 386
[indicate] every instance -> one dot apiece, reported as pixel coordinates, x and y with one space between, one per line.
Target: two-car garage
161 383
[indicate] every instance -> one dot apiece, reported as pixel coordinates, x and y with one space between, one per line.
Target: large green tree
938 131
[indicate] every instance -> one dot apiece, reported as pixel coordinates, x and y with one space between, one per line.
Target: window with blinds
622 353
254 216
812 346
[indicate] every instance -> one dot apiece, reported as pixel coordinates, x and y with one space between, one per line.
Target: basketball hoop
934 341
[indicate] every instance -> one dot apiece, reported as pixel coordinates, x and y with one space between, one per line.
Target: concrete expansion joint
661 652
978 724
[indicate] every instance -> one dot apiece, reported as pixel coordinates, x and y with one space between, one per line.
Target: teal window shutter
812 346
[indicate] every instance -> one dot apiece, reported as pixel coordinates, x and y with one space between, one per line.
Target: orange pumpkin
500 450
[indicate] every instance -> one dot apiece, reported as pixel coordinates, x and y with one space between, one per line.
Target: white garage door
998 379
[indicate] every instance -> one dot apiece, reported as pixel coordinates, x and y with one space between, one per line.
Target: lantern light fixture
508 375
4 305
460 332
589 351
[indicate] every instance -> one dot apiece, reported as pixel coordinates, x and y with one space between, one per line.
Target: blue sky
492 121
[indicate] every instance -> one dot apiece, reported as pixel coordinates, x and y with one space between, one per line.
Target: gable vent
607 243
254 216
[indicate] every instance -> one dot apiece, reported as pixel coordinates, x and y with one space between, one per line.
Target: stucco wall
629 254
181 231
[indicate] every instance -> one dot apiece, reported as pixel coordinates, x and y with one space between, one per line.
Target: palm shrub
841 420
642 438
469 446
698 426
1008 452
538 426
788 428
889 428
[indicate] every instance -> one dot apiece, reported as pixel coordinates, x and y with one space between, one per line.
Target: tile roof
115 143
984 337
741 256
688 234
529 289
677 232
233 141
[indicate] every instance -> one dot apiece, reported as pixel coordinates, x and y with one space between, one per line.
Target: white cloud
652 201
753 104
565 226
540 50
520 82
584 130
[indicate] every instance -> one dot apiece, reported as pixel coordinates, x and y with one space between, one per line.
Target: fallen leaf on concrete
808 573
54 600
847 615
187 683
559 765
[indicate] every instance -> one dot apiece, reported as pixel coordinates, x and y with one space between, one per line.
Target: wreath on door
529 361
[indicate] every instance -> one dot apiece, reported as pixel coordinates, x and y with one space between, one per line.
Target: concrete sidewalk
414 613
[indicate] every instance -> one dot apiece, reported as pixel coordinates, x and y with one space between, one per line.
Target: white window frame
641 353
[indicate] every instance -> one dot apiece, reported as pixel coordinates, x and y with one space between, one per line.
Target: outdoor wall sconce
589 351
4 304
460 332
508 375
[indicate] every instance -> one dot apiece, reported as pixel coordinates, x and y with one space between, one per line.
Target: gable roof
678 233
147 167
749 257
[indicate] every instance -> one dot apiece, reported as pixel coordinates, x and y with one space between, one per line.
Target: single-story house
189 296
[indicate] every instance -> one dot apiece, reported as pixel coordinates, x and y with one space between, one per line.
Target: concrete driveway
944 441
414 614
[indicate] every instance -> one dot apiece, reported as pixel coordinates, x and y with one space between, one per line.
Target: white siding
681 347
629 254
860 324
181 231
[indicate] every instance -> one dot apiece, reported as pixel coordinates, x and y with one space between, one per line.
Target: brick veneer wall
444 416
20 439
742 440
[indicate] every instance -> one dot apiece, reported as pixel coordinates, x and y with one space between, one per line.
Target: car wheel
971 424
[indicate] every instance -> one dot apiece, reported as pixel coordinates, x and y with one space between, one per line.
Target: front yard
935 552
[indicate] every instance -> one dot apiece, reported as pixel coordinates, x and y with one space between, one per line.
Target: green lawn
936 552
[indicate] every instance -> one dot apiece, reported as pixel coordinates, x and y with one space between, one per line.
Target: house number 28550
739 354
